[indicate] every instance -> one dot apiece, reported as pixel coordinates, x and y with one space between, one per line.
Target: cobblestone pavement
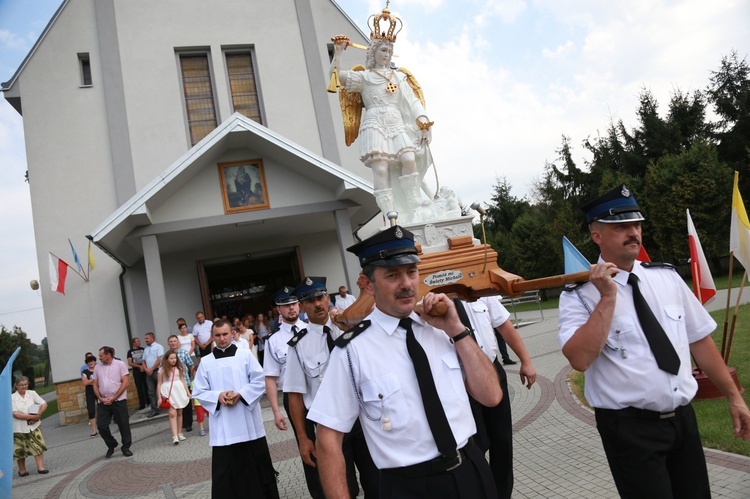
558 453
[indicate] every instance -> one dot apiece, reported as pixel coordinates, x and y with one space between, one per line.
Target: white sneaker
175 440
181 437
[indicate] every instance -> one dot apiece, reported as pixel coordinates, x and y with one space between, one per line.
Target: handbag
165 404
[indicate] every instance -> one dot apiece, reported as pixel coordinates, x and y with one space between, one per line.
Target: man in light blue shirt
152 356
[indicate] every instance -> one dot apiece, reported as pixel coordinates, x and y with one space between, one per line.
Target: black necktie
439 426
329 338
666 356
294 330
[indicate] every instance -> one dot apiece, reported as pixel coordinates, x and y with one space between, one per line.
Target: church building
194 145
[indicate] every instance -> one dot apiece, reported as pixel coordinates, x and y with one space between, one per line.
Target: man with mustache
274 369
632 328
405 379
306 365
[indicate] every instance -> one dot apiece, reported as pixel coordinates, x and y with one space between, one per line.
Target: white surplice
242 374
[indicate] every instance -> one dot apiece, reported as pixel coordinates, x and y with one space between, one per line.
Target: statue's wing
351 110
414 84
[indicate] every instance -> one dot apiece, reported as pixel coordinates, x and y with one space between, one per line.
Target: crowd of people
408 404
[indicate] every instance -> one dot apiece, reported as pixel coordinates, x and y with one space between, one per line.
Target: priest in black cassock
229 384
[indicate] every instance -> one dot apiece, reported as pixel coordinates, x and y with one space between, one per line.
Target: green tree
505 208
729 92
534 246
696 180
25 361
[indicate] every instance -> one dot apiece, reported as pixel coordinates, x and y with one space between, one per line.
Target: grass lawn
51 409
45 389
713 416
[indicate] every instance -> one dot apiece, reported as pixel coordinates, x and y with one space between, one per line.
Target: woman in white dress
172 386
187 341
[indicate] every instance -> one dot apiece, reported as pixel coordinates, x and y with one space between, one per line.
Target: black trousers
119 411
152 382
243 470
139 380
312 478
495 433
655 458
356 453
471 480
91 404
502 346
187 416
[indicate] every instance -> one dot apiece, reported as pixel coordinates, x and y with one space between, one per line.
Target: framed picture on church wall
243 186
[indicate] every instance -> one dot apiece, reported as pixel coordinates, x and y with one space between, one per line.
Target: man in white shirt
495 424
307 360
633 329
229 384
202 333
410 390
274 368
344 300
152 356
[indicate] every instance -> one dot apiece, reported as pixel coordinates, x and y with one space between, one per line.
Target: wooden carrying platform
466 271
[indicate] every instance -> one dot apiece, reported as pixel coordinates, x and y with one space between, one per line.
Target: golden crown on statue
393 22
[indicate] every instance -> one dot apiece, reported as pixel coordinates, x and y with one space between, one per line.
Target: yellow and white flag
739 237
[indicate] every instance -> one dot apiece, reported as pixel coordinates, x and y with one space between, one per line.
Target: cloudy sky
504 81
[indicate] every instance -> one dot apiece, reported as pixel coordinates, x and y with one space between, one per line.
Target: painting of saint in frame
243 186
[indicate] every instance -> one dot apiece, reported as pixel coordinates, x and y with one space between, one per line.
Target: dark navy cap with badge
616 206
310 287
285 296
393 246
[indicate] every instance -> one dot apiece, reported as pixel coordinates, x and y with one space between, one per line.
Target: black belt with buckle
633 412
433 466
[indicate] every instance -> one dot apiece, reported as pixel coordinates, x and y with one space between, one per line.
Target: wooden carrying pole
734 319
729 297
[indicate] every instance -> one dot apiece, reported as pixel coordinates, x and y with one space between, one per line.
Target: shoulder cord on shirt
274 357
356 391
588 309
278 360
302 364
585 305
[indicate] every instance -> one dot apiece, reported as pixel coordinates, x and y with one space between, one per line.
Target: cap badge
398 233
308 281
286 290
625 192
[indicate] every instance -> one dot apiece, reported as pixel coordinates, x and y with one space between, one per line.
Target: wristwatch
463 334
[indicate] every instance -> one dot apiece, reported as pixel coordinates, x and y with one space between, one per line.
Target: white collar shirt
387 387
344 302
203 331
306 363
277 349
625 373
485 315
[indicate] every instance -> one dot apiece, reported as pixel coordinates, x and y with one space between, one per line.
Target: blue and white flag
75 257
574 260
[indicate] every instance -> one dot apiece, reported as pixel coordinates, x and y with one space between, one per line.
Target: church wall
72 188
72 182
151 70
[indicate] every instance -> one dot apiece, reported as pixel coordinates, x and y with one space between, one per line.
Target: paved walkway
557 449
